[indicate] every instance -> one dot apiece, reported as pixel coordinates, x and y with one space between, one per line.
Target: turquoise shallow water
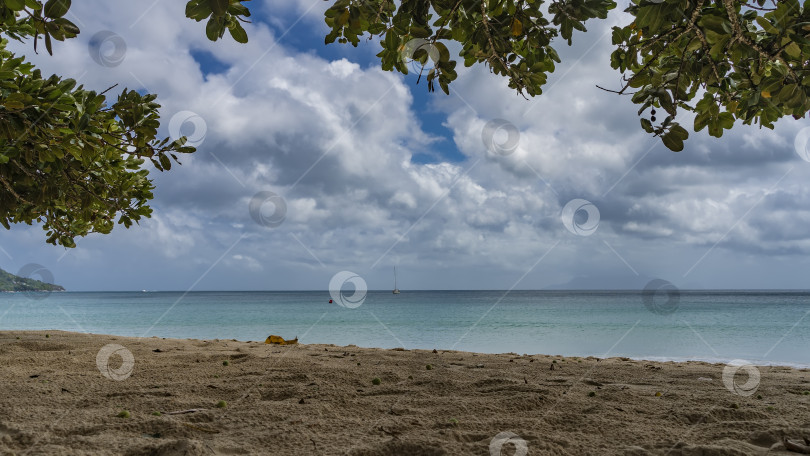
760 327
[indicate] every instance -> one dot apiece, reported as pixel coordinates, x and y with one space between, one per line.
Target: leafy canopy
724 60
73 161
69 158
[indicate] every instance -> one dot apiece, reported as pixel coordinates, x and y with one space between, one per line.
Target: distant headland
11 283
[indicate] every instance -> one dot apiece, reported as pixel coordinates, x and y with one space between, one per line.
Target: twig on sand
183 412
798 446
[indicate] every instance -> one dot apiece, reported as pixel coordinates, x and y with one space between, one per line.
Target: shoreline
64 394
650 359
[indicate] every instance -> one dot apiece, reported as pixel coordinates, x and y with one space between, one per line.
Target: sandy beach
70 393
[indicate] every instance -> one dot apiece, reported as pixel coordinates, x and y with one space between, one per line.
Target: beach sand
322 400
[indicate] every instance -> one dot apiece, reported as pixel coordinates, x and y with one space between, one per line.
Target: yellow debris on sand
278 340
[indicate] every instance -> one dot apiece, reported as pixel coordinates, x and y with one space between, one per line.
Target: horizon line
437 290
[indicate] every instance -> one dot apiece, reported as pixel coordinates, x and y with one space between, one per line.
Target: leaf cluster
725 61
69 158
23 18
511 37
221 15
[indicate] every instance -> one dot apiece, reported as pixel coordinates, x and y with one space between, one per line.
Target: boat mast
396 290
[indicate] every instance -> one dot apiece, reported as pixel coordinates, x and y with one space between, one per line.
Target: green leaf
214 29
13 104
56 8
673 142
444 53
238 9
16 5
766 25
48 46
84 121
679 132
420 32
238 33
219 7
165 163
198 11
69 28
726 120
343 18
793 50
715 129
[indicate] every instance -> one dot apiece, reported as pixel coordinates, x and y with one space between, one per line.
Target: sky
312 161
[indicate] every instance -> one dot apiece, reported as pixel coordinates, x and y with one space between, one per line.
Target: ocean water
756 326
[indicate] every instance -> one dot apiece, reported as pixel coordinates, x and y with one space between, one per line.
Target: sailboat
396 290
